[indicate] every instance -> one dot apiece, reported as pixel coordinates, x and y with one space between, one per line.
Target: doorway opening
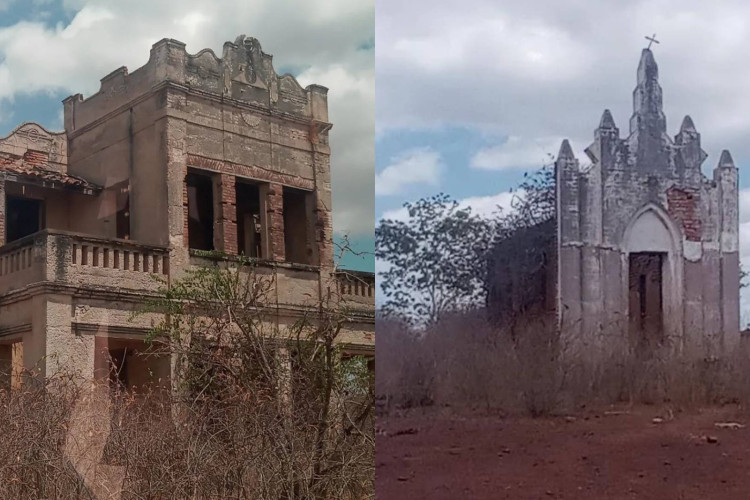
646 303
249 225
25 216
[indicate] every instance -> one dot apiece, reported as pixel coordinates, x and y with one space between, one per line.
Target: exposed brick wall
227 214
323 234
251 172
683 205
37 158
275 217
322 212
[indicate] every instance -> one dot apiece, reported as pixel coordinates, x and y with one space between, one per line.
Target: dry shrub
257 412
34 428
405 371
465 361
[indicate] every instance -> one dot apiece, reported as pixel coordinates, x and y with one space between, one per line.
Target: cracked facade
186 155
644 246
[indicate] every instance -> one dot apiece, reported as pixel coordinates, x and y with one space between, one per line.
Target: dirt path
593 456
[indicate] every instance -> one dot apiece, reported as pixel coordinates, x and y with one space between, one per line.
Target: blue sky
50 49
469 99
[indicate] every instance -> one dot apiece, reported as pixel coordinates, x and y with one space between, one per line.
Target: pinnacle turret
566 152
607 121
726 161
687 125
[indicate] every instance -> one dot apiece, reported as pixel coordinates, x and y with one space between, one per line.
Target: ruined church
188 161
643 245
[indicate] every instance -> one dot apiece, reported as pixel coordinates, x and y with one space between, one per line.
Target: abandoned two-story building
187 154
643 246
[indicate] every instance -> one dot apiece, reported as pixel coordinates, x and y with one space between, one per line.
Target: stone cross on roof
651 39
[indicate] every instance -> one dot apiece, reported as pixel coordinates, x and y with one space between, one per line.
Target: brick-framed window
199 207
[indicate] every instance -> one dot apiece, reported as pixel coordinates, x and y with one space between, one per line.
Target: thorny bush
258 409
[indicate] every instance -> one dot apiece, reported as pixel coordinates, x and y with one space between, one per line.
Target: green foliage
436 260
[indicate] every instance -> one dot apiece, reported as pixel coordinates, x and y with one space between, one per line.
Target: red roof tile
36 165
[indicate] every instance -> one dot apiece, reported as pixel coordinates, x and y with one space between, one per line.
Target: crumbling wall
647 193
522 275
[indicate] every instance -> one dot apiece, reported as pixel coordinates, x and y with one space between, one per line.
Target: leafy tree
435 259
533 205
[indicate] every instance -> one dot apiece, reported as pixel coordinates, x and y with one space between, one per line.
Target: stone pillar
64 351
226 216
273 196
322 212
726 177
569 244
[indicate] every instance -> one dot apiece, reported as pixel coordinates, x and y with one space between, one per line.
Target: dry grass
463 361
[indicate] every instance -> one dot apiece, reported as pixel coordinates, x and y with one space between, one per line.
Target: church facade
644 246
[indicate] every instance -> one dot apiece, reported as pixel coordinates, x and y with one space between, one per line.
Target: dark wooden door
646 301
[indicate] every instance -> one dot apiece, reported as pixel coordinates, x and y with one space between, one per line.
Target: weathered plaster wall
647 193
231 116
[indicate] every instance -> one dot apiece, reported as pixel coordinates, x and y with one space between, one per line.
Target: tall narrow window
249 229
296 243
200 212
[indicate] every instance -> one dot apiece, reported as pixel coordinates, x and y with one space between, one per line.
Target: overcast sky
469 98
50 49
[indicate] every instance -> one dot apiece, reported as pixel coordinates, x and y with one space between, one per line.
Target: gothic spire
647 68
648 116
648 125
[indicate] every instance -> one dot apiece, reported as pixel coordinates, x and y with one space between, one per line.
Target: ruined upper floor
186 155
244 75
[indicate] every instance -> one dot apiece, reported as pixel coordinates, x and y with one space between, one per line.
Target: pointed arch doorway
653 281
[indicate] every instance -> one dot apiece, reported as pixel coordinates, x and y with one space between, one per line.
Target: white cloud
542 69
351 108
192 21
415 166
517 152
322 36
485 206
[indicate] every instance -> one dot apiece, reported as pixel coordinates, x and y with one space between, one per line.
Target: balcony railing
77 259
80 260
356 286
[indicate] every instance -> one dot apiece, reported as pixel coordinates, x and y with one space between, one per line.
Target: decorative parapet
244 74
36 146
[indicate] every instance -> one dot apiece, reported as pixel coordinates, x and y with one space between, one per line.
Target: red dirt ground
431 455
